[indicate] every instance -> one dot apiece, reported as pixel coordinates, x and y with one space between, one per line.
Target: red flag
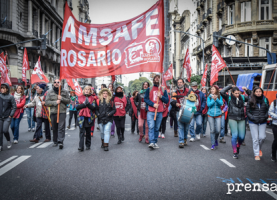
217 65
25 66
130 46
73 83
38 75
168 75
204 77
113 78
187 65
4 70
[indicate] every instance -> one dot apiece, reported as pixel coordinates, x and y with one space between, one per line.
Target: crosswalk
15 160
41 145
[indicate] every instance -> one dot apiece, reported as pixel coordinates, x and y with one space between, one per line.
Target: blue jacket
214 106
149 102
203 102
273 113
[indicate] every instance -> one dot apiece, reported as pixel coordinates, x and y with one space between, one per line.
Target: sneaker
160 135
185 143
257 158
216 143
29 129
261 153
163 136
235 156
68 127
60 146
156 146
212 148
9 145
151 145
181 145
273 159
43 130
55 145
146 140
15 141
140 138
198 137
189 135
33 129
222 140
192 140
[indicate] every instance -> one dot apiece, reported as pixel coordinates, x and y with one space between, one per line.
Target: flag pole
58 113
46 112
231 75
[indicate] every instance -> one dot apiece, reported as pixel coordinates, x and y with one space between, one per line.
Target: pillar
30 17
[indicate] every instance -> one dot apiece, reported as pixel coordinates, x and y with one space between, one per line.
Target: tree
195 78
137 84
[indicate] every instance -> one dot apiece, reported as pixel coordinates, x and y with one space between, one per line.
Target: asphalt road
132 170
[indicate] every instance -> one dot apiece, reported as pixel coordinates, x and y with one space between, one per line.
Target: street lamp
202 43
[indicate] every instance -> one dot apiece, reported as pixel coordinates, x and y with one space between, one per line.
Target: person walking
165 115
224 109
7 110
53 99
197 117
104 111
172 113
85 108
41 115
151 99
133 113
111 88
214 103
72 109
273 114
94 96
236 115
204 90
20 100
142 113
257 113
30 93
122 105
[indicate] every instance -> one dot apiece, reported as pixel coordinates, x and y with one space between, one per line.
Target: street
131 170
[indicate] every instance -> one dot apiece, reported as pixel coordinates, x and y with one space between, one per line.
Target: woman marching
104 112
122 105
236 115
133 112
20 100
111 88
72 109
85 108
204 113
257 113
214 103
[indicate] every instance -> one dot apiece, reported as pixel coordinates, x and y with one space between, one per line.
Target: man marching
151 96
53 99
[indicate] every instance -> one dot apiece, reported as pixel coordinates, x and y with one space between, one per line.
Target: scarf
73 101
197 92
17 96
259 100
238 102
143 91
119 94
56 90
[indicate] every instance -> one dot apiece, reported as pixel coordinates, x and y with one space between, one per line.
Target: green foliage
137 84
126 90
195 78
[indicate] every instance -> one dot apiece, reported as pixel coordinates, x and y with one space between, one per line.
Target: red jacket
19 106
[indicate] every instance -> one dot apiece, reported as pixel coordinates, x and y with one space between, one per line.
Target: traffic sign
230 42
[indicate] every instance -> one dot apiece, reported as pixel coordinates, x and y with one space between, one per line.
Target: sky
108 11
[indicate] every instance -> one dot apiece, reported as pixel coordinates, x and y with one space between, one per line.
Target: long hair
22 90
86 88
143 85
253 101
216 93
134 93
101 95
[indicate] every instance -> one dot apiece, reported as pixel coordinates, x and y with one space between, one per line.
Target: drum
187 110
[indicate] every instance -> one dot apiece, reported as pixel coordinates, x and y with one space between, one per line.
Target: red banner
4 70
187 65
168 75
73 83
131 46
217 65
204 77
38 75
113 78
25 66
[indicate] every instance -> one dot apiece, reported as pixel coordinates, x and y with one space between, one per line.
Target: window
231 14
265 43
4 10
265 9
268 76
245 11
248 49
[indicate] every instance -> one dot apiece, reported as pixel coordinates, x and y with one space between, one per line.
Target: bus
269 86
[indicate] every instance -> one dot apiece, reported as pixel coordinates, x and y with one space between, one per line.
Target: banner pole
231 76
156 111
58 113
46 112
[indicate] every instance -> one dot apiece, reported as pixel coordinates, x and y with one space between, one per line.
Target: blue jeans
153 126
183 130
222 131
15 126
214 128
105 131
238 133
204 127
198 120
30 112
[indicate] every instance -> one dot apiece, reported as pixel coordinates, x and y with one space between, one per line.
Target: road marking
44 145
127 129
204 147
13 164
66 133
269 132
35 145
7 160
227 163
270 192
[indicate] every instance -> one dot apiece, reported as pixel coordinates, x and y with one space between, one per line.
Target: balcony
244 24
265 22
7 24
220 7
35 33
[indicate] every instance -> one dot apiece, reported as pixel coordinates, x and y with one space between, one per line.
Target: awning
228 60
247 80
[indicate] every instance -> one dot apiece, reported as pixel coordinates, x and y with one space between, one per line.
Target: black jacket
7 104
105 112
234 112
138 100
131 111
258 115
173 109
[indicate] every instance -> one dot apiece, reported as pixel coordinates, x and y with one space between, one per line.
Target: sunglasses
56 82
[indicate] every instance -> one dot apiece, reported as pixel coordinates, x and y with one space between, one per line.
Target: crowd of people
149 109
